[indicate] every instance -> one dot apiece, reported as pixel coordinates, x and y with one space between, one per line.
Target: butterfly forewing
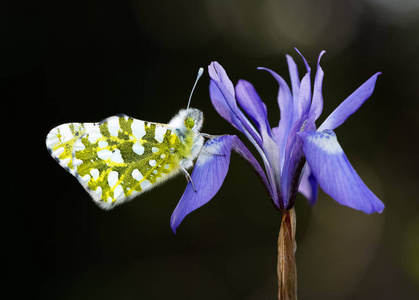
120 157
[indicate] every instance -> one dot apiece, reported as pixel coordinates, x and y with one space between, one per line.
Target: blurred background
83 61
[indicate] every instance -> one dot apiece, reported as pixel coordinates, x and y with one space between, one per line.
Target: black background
64 61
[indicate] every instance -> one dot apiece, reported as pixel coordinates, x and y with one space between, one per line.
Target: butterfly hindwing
121 157
60 141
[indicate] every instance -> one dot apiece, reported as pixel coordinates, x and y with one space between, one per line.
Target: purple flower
297 156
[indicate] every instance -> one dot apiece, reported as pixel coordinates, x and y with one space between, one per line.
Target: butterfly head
192 118
189 122
189 118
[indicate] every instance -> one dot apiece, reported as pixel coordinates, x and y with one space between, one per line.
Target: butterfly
121 157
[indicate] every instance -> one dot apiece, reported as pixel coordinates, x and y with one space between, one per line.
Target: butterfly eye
189 122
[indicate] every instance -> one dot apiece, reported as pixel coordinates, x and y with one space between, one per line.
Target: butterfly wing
120 157
60 141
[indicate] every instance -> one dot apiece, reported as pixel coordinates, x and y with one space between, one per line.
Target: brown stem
287 269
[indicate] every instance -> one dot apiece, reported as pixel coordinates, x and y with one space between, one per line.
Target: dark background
64 61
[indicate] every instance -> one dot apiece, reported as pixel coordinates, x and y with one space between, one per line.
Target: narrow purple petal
217 73
305 61
221 106
317 102
226 92
285 103
294 159
308 185
208 176
350 105
335 174
209 173
304 100
251 133
295 84
251 103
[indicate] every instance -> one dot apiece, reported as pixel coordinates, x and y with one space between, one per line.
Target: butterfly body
122 157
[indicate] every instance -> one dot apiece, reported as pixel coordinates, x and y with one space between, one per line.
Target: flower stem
287 269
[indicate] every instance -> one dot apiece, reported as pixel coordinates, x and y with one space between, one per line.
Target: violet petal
208 175
350 105
285 102
221 106
304 99
251 103
226 92
335 174
308 185
317 102
295 84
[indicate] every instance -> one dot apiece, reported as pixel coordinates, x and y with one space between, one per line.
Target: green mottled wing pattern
60 142
117 158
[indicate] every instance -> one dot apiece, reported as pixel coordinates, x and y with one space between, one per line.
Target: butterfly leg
188 177
212 153
209 136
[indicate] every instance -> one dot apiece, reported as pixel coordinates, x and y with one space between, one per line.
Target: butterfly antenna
200 72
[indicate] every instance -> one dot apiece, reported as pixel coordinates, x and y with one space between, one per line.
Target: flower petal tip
320 56
335 174
208 176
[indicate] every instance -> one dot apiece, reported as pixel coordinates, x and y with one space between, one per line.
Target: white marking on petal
138 129
155 172
112 178
152 162
137 175
154 149
167 167
145 184
138 148
94 173
327 141
159 133
163 155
